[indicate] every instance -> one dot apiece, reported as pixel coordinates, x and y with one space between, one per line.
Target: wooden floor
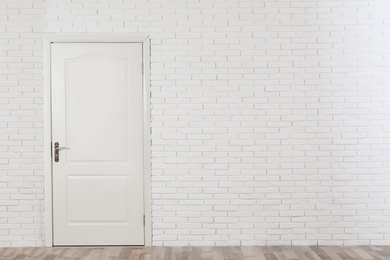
195 253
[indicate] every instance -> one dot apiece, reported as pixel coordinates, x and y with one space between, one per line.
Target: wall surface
270 119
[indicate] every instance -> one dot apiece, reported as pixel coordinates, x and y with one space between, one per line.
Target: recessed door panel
106 201
97 124
96 91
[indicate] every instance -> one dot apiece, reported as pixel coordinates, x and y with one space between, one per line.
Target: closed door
97 138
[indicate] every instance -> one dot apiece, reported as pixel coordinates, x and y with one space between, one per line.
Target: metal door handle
57 150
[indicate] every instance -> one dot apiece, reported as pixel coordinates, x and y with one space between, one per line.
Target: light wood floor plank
362 254
200 253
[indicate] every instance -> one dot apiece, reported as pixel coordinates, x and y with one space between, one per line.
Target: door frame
48 39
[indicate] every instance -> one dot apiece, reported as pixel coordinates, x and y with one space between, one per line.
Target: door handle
57 150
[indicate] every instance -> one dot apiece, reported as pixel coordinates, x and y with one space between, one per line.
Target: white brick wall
270 119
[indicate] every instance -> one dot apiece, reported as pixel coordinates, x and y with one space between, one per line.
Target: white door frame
78 38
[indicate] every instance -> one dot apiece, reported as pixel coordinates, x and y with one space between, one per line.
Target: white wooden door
97 116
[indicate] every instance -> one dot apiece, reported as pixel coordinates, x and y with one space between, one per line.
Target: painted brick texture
270 119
